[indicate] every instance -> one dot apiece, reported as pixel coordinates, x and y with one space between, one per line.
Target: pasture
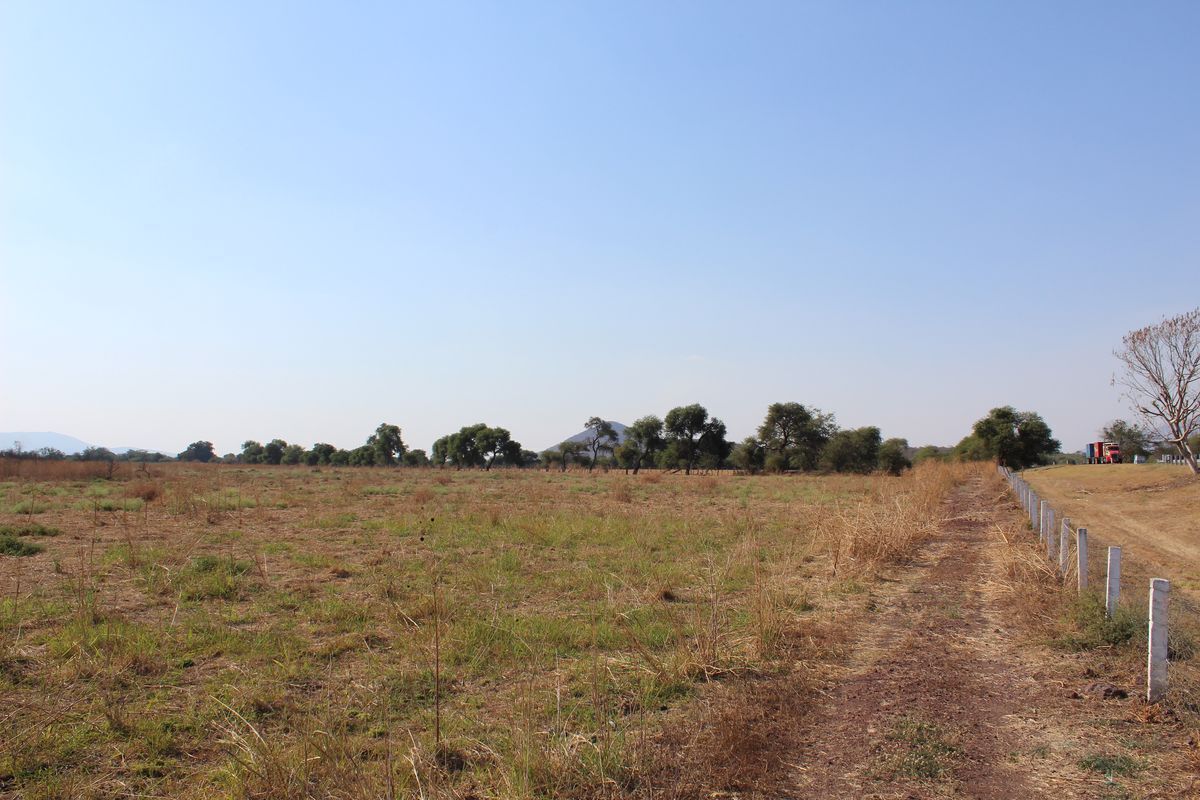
219 631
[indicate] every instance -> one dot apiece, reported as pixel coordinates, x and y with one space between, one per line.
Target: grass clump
1110 765
926 752
12 546
28 529
1089 626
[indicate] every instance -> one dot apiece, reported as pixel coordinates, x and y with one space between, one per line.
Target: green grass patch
925 752
1089 627
1111 765
28 529
12 546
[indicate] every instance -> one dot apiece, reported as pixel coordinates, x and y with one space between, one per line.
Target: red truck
1103 453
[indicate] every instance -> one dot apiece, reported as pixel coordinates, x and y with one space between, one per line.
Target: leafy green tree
415 458
320 454
340 458
461 449
198 451
1016 439
684 426
749 456
273 451
51 454
852 450
713 447
794 436
601 437
573 453
363 456
892 456
252 452
643 439
440 452
293 454
493 443
388 445
1132 438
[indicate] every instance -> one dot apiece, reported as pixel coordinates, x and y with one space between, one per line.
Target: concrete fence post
1156 658
1064 546
1041 519
1051 539
1081 554
1112 587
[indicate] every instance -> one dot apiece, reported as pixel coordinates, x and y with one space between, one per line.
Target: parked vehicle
1103 453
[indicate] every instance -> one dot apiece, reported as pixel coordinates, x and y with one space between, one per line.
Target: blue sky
253 220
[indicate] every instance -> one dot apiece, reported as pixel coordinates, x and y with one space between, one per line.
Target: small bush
147 492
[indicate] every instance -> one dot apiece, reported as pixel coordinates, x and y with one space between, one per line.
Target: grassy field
1151 510
216 631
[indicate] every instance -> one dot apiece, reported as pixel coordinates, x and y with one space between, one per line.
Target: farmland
1151 510
193 631
239 632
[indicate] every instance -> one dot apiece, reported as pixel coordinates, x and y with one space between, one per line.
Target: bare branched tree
1162 378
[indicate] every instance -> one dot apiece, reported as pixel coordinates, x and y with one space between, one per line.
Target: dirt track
942 698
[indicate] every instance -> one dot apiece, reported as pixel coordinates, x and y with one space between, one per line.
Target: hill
36 440
583 435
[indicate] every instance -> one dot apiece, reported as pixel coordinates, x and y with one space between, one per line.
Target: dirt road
946 697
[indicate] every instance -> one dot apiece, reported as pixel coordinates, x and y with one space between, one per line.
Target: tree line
792 438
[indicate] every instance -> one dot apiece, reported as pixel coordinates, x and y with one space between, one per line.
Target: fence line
1041 520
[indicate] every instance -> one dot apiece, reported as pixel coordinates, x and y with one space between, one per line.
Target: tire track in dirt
936 699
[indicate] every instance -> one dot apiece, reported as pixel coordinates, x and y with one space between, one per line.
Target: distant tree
273 451
51 454
643 439
601 437
852 450
931 451
1016 439
1132 438
564 455
684 426
104 454
198 451
252 452
440 452
1161 379
293 454
749 456
415 458
893 458
493 443
340 458
713 448
363 456
794 436
388 444
462 449
320 454
529 458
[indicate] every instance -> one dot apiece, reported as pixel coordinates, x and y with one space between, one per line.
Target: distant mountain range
36 440
584 435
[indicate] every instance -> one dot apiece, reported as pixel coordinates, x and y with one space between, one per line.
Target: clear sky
294 219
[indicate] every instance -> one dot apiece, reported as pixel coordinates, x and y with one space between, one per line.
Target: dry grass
274 632
1052 610
900 517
